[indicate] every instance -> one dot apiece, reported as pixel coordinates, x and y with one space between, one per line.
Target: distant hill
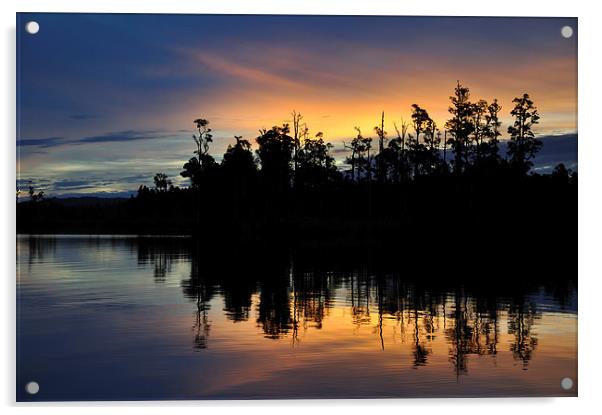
555 150
87 201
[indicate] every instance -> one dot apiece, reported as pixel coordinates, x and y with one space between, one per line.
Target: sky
104 101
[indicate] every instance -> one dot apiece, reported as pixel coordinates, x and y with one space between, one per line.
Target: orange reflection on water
352 345
158 317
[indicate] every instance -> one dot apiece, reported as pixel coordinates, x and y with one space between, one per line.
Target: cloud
41 142
251 73
73 184
110 137
130 135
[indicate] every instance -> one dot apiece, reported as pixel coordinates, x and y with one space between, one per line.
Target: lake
134 318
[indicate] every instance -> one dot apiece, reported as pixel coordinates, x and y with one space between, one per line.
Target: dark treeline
436 191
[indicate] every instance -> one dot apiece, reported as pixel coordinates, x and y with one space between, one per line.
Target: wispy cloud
110 137
41 142
130 135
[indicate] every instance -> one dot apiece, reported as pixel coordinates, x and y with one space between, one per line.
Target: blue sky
107 100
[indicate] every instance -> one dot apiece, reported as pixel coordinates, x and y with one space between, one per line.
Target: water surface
126 318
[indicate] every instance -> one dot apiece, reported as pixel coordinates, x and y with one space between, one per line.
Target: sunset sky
106 101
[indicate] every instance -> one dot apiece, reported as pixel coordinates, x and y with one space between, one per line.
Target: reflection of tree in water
237 291
160 253
359 283
312 296
475 329
158 257
521 317
39 248
292 296
460 335
488 326
200 289
274 311
201 326
420 351
423 309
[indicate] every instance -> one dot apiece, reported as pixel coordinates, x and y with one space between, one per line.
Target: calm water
128 318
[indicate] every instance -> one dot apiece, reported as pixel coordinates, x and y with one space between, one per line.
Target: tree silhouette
561 173
432 139
238 175
479 120
382 138
300 132
315 165
196 167
33 196
419 152
523 145
351 160
401 143
238 159
161 182
390 160
202 138
360 159
460 126
489 150
275 152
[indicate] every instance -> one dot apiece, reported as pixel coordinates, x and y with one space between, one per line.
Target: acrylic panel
272 207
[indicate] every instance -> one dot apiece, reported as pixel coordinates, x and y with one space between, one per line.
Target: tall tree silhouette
239 173
315 165
460 126
203 137
479 120
360 159
356 148
390 161
382 138
432 139
275 151
523 145
401 137
238 159
418 151
196 166
300 132
490 148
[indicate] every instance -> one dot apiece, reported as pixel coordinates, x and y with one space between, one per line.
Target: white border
590 194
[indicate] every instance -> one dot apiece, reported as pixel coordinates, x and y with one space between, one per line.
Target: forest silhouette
436 193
